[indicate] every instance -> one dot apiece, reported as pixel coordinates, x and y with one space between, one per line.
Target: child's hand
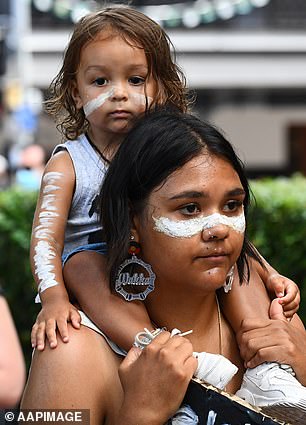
52 318
286 291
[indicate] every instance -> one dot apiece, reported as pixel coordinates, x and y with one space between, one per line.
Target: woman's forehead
204 170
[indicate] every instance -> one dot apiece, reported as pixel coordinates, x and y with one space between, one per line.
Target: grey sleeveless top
83 226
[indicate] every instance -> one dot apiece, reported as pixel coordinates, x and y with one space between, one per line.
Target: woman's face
192 228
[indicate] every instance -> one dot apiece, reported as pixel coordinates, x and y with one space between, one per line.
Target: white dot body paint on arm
189 228
44 251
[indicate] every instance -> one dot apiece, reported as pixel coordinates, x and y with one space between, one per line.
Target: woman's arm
274 340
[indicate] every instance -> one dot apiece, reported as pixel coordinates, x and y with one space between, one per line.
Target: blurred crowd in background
244 59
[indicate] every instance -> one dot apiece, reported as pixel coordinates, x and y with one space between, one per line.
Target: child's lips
120 113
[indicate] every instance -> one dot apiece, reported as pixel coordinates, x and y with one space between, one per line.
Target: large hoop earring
124 278
229 280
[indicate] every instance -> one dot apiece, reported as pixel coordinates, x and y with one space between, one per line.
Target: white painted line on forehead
96 103
189 228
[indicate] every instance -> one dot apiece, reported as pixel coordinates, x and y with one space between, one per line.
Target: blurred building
245 59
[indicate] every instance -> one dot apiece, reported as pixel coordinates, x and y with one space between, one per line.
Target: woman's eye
100 81
233 205
190 209
137 81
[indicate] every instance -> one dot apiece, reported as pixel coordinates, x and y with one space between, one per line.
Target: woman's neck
197 313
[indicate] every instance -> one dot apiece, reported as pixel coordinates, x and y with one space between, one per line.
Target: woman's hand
274 340
155 380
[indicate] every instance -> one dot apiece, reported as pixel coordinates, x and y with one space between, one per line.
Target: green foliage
16 215
277 227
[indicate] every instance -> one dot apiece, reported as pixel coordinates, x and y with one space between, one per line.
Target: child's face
192 229
112 84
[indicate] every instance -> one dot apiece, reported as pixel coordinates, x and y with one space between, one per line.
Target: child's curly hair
136 29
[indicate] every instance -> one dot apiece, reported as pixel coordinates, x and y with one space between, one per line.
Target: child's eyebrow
132 67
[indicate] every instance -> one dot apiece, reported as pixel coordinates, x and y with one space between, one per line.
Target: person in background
12 365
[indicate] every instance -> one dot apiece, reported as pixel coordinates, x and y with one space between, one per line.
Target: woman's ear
135 224
76 95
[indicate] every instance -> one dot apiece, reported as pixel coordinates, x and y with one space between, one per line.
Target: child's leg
87 281
245 301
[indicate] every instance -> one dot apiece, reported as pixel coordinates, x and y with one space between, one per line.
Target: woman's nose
218 232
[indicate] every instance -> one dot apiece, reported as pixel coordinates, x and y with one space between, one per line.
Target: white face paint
140 99
96 103
189 228
44 252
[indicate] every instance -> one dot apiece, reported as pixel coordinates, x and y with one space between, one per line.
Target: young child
117 66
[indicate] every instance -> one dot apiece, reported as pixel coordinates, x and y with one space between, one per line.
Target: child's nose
119 92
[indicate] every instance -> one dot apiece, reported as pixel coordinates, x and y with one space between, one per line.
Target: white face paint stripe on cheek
96 103
189 228
141 99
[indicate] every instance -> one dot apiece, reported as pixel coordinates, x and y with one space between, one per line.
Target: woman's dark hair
159 143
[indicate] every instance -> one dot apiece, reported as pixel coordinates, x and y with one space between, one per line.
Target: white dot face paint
44 252
94 104
189 228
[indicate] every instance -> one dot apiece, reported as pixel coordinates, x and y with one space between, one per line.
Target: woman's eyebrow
236 192
189 194
195 194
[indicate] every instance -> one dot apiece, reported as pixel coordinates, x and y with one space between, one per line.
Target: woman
177 193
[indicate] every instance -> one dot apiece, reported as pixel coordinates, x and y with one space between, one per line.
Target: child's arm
284 289
87 280
246 301
251 300
47 243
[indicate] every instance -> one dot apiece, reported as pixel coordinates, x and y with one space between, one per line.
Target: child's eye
233 205
100 81
190 209
137 81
